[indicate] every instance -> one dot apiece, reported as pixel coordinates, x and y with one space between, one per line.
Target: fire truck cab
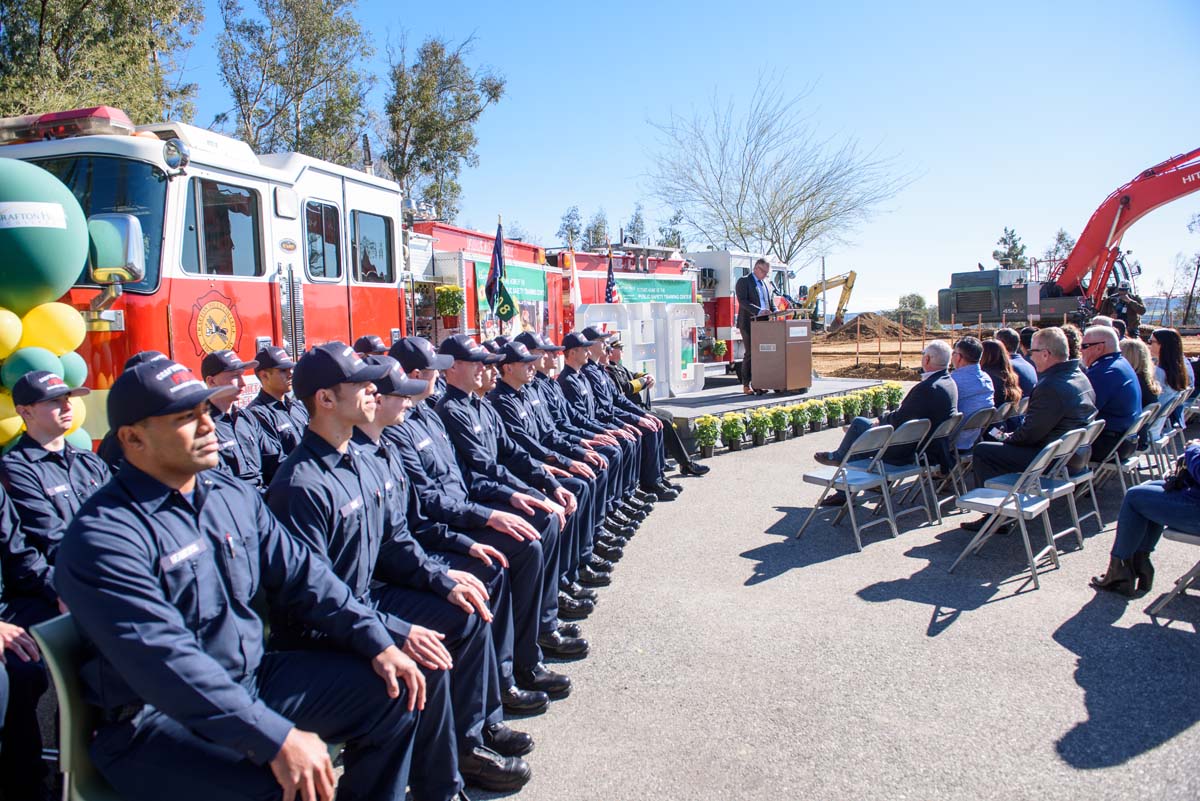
236 250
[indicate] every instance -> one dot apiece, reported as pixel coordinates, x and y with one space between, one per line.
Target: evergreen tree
595 235
570 228
1011 249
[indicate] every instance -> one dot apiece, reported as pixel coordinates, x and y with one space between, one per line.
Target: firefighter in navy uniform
333 498
488 514
48 478
275 408
160 568
246 450
109 449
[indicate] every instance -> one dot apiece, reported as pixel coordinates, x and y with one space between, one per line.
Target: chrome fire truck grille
291 302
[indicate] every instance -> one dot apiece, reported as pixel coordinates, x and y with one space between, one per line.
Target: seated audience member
48 478
1062 401
1138 356
1005 381
1027 341
246 450
1146 510
975 389
1118 396
26 597
935 398
1074 337
1174 372
1101 319
1026 375
1121 329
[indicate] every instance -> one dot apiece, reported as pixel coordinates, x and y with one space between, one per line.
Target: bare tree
763 180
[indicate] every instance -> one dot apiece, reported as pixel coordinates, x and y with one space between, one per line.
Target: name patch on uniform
174 560
352 506
425 443
478 429
227 444
282 426
59 490
535 402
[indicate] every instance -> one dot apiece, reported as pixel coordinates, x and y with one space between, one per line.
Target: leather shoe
541 678
505 741
663 484
569 629
834 499
671 465
633 515
483 767
613 539
694 469
666 494
618 529
826 458
637 503
621 519
571 609
594 578
557 645
610 552
578 591
644 496
600 564
524 702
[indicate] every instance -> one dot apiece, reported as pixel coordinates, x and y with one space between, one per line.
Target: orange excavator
1082 278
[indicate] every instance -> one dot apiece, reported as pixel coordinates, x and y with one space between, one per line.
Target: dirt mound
869 325
888 371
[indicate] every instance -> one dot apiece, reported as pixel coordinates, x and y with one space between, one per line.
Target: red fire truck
719 271
236 250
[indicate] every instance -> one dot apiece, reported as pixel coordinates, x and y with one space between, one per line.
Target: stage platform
724 394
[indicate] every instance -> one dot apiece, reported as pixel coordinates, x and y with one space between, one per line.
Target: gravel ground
731 661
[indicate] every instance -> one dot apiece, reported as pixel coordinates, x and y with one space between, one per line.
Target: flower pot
449 321
735 445
706 451
760 439
797 429
848 417
781 434
815 425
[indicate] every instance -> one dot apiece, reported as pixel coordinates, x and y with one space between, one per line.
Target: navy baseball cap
157 388
331 364
594 334
42 385
494 347
575 340
416 353
143 357
273 356
371 345
516 353
395 382
502 340
536 341
461 347
224 361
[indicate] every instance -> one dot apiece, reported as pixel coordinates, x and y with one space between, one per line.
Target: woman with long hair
1173 370
998 366
1137 354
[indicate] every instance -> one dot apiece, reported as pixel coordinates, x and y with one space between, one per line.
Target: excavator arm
1099 245
845 281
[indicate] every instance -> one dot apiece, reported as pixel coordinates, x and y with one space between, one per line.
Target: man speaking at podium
754 303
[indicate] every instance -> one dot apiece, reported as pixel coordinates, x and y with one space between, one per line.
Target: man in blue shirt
1026 372
975 390
1118 393
275 409
246 450
160 568
48 478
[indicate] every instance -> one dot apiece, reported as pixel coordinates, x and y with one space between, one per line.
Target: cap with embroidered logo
274 357
155 389
328 365
395 382
370 345
594 334
224 361
42 385
461 347
415 353
575 340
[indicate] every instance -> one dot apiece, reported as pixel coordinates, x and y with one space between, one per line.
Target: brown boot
1143 570
1119 578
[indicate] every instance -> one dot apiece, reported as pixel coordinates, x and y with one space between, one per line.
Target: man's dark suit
935 398
749 308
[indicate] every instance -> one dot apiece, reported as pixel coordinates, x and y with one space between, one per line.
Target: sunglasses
1087 345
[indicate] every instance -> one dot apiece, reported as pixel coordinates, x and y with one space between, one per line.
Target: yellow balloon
10 333
56 327
78 415
11 423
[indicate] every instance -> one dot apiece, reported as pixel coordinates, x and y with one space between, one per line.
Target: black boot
1144 571
1119 577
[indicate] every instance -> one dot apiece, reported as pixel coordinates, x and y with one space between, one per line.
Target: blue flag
491 288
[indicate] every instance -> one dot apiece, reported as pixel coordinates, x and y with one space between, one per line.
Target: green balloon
75 369
80 438
43 236
26 360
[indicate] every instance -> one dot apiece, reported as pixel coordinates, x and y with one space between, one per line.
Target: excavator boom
845 281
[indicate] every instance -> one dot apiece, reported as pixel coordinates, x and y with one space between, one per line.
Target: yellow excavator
810 298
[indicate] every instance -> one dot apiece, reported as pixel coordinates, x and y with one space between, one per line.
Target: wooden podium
782 354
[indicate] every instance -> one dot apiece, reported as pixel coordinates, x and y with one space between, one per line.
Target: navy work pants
22 772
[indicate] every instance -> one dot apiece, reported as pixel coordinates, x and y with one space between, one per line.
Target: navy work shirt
610 403
247 451
522 412
283 420
23 570
162 585
48 487
566 417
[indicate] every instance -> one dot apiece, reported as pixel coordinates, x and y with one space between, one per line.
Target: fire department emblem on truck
214 325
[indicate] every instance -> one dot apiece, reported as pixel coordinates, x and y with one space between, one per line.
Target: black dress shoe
524 702
694 469
600 564
609 552
664 485
612 539
571 609
633 515
483 767
570 629
620 518
671 464
826 458
594 578
618 529
505 741
563 647
643 496
578 592
666 494
834 499
544 680
637 502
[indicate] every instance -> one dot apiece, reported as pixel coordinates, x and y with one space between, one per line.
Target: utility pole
1187 311
824 308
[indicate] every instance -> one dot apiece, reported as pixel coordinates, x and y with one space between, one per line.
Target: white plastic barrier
658 337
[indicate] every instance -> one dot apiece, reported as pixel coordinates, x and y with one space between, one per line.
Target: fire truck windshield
110 184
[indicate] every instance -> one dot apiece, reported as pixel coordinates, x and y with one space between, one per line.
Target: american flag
491 287
610 286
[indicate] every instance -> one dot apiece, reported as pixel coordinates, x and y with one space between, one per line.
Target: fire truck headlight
176 154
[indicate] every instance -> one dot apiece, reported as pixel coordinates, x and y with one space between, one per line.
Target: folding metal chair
1112 462
958 474
942 432
1159 453
853 480
1085 479
1023 405
913 431
1022 501
1055 482
1184 581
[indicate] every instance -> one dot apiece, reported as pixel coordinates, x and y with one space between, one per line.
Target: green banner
654 290
522 283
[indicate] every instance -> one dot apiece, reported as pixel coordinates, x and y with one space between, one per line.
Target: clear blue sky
1025 114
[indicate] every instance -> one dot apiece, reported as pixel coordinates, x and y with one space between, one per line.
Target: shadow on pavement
821 542
1139 682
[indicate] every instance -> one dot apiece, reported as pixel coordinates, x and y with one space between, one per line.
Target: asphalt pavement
732 661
